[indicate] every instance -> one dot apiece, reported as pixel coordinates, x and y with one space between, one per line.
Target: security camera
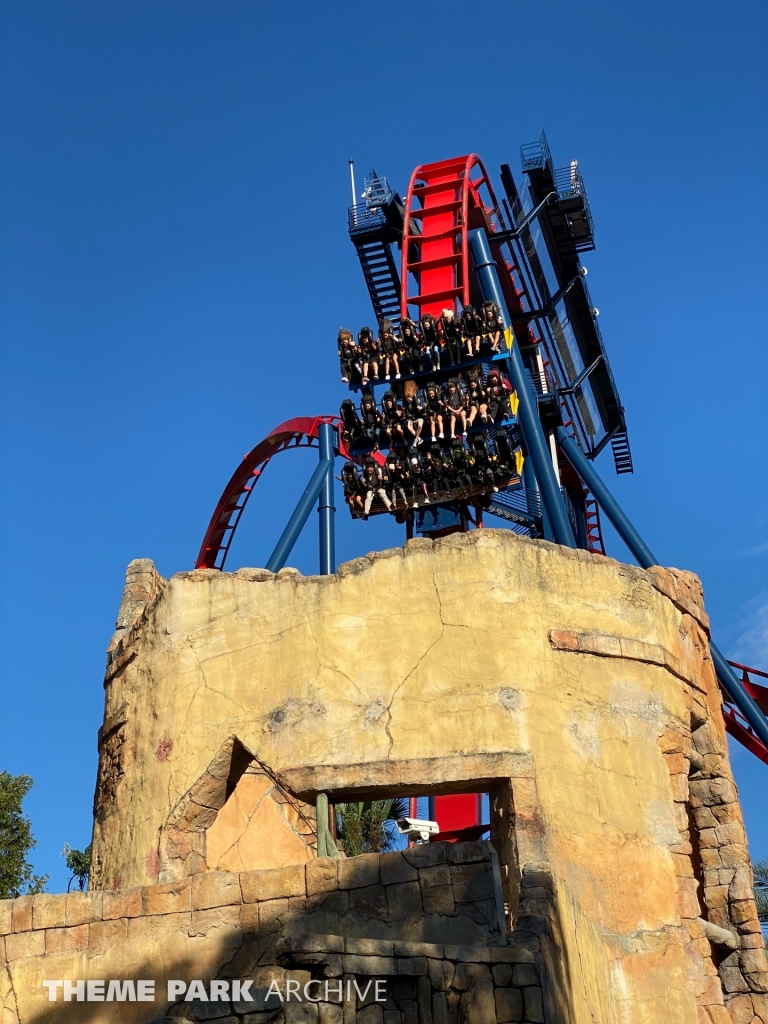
583 271
595 311
417 829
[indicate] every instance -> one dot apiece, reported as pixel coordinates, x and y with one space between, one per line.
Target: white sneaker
397 376
387 377
415 504
345 380
439 435
426 501
418 440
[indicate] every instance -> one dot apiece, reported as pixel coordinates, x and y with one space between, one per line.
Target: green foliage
362 827
760 868
16 840
79 863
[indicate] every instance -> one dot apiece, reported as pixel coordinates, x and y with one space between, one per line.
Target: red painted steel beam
743 734
734 723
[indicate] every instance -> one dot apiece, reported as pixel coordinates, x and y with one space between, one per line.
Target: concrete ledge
605 645
429 776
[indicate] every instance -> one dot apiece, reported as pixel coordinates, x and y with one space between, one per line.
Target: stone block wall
375 916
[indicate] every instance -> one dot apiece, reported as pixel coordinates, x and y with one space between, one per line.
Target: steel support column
300 515
730 682
326 508
535 442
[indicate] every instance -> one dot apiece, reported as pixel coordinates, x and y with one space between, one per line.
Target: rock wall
577 692
326 920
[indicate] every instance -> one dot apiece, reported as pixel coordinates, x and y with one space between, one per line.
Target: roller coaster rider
497 394
428 470
373 486
353 487
418 480
434 410
369 353
455 407
483 469
451 335
370 420
410 345
473 328
403 356
397 471
476 401
413 411
505 458
351 427
388 348
391 431
348 356
441 481
430 343
461 466
493 326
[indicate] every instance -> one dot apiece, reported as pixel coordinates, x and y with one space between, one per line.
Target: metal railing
520 499
535 154
569 181
363 217
376 191
542 382
570 185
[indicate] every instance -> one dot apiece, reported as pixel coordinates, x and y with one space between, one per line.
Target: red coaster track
444 202
301 432
735 723
440 197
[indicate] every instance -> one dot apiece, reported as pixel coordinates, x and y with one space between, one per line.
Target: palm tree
362 827
760 869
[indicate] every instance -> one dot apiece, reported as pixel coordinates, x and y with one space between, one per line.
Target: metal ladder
622 456
381 278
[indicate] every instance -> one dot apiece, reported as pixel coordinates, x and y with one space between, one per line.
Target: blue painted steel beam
730 682
533 434
326 508
300 515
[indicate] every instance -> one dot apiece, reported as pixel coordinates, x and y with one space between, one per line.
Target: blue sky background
175 266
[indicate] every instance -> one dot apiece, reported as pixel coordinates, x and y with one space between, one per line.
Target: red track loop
301 432
443 203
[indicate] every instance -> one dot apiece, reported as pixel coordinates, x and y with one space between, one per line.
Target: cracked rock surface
477 646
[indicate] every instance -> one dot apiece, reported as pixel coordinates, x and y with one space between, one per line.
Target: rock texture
578 692
319 921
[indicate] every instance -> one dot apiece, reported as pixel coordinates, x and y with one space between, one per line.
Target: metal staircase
374 226
521 507
381 277
622 456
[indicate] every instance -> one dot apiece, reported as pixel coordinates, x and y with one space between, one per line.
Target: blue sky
175 266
